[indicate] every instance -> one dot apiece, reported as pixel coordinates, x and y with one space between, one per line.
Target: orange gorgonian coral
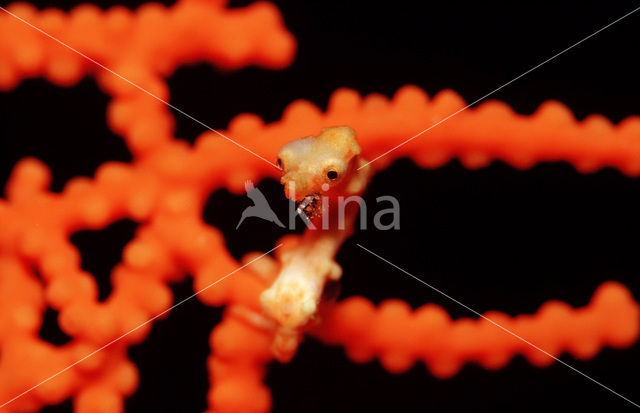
166 185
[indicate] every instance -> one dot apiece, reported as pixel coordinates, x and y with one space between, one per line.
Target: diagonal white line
501 87
138 327
138 87
497 325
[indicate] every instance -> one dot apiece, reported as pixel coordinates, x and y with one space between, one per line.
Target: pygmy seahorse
318 172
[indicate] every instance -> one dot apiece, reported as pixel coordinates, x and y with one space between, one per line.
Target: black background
495 239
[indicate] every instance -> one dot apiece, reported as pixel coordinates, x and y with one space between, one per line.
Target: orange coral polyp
165 187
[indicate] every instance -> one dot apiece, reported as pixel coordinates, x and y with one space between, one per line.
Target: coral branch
154 39
476 136
400 336
237 365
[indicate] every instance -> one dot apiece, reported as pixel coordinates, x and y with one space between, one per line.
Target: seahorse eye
332 175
